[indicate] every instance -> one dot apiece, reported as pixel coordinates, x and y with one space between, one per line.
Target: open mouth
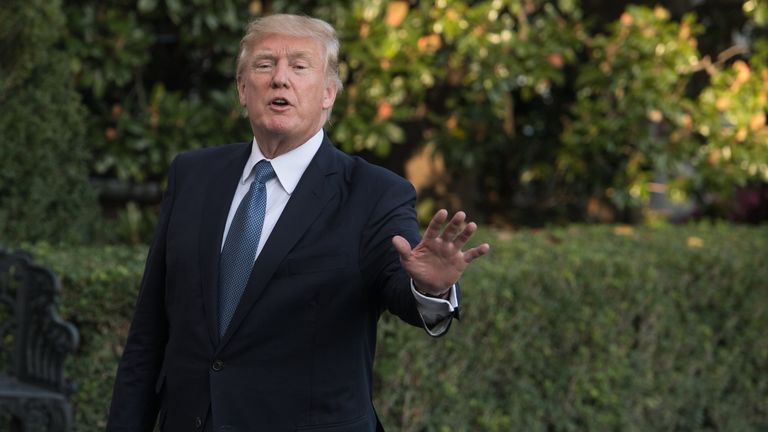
280 102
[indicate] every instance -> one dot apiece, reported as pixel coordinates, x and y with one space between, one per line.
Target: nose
280 77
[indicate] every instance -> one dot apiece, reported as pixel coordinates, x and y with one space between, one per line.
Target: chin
279 127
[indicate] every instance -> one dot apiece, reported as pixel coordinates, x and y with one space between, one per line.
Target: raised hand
437 262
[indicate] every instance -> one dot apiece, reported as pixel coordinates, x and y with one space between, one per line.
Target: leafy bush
100 284
595 329
422 73
157 78
731 121
534 103
631 94
639 121
44 189
582 328
534 106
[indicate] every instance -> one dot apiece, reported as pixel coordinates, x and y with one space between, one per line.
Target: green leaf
146 6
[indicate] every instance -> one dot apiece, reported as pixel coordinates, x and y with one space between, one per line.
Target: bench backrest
34 340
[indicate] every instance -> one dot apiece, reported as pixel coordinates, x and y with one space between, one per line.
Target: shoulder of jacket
360 169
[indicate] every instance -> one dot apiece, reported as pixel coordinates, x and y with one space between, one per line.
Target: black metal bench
34 342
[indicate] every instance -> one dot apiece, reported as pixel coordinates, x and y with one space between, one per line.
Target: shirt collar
288 167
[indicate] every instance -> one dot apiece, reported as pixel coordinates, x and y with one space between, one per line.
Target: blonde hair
296 26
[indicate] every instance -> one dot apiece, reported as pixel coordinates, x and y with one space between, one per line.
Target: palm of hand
437 262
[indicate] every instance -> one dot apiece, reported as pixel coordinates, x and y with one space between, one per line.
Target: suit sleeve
135 403
393 214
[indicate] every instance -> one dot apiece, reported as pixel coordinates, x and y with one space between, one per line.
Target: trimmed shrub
582 328
44 188
594 329
99 288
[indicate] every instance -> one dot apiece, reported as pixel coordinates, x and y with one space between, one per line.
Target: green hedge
99 288
582 328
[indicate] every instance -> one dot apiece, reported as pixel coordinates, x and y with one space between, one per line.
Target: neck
272 145
275 146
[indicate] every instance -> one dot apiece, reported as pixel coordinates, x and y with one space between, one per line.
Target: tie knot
263 171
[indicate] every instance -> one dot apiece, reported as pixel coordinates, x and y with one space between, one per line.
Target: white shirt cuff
436 313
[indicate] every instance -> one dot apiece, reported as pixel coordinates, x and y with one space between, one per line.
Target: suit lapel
305 204
216 202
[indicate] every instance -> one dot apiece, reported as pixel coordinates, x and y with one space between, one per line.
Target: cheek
247 93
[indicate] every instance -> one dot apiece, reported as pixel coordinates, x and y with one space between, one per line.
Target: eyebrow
295 55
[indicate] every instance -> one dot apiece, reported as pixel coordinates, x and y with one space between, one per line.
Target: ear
329 96
241 91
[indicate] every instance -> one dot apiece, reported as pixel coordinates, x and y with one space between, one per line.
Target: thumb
402 247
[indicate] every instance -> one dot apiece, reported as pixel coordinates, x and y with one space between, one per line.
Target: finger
453 228
402 247
465 235
476 252
433 229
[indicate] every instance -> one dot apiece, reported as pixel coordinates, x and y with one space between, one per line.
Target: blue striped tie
237 256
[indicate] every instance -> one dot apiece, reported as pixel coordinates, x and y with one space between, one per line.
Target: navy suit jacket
299 351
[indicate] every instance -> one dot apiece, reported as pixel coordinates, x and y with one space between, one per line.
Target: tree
644 123
44 189
512 94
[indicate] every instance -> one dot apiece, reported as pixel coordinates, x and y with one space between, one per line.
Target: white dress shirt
289 167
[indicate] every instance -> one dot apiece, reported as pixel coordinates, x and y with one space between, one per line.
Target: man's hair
297 26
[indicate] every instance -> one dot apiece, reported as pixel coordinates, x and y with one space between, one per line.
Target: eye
300 66
263 66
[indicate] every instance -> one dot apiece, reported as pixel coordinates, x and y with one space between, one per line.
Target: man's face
283 87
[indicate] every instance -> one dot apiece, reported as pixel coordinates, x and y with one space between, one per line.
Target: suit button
198 422
217 365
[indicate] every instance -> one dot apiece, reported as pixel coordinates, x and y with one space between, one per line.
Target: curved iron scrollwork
34 343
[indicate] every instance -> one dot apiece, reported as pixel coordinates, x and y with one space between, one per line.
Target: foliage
730 121
584 328
401 64
531 104
608 328
460 77
44 189
168 89
631 95
757 10
99 288
637 124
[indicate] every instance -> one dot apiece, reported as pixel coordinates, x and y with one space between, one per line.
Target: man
273 260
